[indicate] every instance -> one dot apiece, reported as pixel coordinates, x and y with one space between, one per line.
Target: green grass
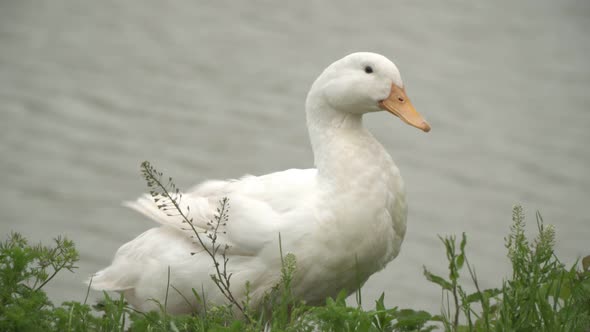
542 294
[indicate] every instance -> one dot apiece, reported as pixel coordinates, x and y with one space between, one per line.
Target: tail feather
197 209
114 278
146 206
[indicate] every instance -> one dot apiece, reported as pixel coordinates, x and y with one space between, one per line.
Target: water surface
88 90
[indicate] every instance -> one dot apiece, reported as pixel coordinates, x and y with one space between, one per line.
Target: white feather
343 221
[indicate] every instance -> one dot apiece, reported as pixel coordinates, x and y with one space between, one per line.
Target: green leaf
379 304
437 280
487 293
460 261
461 257
410 320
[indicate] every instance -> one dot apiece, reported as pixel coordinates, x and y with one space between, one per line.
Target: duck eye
368 69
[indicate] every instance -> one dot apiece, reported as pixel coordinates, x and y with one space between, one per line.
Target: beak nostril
400 99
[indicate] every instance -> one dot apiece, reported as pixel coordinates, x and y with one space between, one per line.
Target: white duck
343 221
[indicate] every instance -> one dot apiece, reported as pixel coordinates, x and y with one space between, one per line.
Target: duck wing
257 208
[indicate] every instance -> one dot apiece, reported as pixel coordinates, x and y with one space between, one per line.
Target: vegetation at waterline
542 294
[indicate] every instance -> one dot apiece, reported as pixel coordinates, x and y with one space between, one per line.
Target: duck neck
338 140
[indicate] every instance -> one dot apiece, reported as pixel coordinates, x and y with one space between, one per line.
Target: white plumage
343 220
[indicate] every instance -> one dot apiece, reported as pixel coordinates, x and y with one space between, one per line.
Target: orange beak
400 105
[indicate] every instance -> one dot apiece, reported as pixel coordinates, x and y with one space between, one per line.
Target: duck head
365 82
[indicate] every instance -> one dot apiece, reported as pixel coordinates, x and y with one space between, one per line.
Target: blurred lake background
90 89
